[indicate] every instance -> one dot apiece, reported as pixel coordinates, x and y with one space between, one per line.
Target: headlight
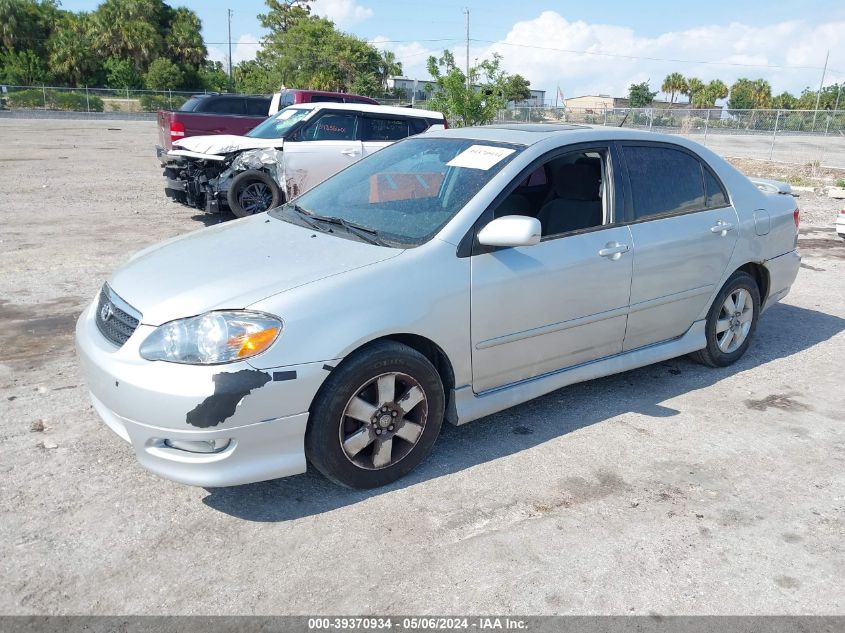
212 338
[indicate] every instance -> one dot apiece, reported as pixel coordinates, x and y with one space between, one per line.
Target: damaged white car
285 155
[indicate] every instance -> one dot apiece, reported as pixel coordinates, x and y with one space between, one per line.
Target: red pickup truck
209 114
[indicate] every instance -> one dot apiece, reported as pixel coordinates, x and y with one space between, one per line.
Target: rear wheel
253 192
731 321
376 417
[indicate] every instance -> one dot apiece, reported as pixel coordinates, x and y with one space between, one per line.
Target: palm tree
388 67
8 22
122 28
694 87
70 55
184 39
761 93
717 89
673 85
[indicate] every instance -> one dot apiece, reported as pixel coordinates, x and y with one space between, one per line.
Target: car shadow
783 331
211 219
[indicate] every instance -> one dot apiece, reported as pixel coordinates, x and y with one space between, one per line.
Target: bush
56 100
26 99
74 102
153 103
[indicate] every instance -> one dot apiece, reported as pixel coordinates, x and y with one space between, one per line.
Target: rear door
378 131
684 231
327 144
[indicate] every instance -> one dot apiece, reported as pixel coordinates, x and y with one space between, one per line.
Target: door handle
350 152
722 228
613 250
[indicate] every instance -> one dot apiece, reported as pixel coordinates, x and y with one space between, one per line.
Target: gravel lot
673 489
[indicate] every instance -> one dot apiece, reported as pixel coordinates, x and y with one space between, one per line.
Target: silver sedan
446 277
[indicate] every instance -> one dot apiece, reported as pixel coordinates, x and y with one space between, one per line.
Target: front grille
116 319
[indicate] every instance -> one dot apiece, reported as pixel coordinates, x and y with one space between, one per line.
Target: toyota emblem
106 312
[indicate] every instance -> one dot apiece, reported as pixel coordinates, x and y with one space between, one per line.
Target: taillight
842 212
177 130
796 215
446 127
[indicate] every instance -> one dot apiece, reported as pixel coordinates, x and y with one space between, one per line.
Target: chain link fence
91 100
792 136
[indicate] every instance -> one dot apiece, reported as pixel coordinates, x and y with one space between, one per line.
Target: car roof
367 107
532 133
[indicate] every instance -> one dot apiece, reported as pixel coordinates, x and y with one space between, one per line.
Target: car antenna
624 118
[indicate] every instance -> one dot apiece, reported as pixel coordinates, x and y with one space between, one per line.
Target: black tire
327 422
713 355
253 192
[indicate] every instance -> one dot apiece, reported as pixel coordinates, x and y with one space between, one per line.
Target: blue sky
784 42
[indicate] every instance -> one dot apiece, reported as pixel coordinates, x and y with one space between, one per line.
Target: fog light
199 446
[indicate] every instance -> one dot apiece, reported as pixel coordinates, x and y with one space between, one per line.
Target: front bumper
263 413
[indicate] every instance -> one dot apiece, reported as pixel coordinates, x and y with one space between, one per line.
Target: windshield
406 192
191 104
277 126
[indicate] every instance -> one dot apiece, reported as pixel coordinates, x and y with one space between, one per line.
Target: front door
684 233
325 146
563 301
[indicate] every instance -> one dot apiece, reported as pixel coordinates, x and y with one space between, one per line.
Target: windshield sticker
480 157
286 114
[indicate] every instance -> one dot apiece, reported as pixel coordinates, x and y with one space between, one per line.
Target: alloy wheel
734 321
383 421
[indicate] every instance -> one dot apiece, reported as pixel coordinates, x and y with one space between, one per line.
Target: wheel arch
761 275
432 351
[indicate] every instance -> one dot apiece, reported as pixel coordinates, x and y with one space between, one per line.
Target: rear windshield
280 124
191 104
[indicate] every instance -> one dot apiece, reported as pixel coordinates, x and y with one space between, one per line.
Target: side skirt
471 406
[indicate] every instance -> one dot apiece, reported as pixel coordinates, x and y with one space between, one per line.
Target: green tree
473 104
254 77
184 38
827 101
388 67
761 93
283 14
121 73
640 95
130 29
23 68
163 74
212 76
785 101
515 88
673 85
693 86
72 59
741 95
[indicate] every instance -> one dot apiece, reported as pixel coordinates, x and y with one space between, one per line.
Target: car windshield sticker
480 157
286 114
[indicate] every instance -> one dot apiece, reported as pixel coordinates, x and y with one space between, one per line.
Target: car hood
233 265
225 143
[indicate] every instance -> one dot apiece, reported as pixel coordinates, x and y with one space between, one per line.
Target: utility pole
231 78
466 11
819 93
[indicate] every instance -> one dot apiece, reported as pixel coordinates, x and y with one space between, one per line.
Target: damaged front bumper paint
261 412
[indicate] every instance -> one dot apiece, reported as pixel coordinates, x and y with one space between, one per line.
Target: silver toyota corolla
446 277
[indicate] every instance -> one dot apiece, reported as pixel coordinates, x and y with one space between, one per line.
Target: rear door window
418 126
331 126
383 129
258 107
226 105
664 181
716 196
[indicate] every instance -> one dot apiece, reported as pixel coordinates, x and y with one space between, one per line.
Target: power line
641 57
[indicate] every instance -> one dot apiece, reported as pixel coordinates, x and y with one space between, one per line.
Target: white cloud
344 13
794 43
245 48
413 55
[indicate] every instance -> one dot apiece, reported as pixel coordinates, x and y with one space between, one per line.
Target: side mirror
511 230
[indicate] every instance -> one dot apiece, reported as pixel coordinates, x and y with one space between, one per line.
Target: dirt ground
673 489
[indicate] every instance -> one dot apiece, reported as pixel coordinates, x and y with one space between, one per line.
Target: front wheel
253 192
376 417
731 321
